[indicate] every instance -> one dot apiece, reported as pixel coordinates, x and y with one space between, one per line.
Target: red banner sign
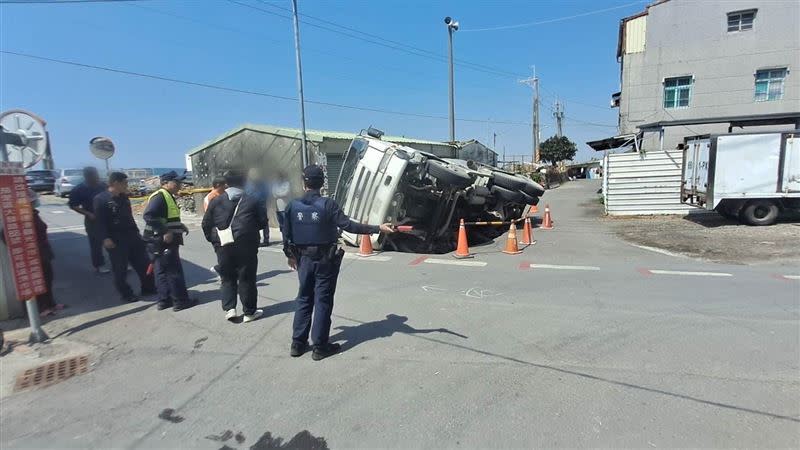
20 232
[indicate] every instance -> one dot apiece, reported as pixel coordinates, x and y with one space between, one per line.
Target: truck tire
449 174
760 212
508 195
507 181
533 189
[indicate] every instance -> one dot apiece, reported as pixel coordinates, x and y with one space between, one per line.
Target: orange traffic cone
462 249
365 249
534 209
527 233
547 222
511 243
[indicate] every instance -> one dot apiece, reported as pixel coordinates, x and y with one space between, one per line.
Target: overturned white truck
385 182
751 177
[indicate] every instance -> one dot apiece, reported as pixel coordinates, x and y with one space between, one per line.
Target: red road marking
645 272
525 265
418 261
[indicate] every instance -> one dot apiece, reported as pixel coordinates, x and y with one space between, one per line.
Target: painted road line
691 274
272 249
454 262
366 258
57 212
792 277
558 267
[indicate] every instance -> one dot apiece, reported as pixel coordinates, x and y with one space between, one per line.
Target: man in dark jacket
81 200
238 261
120 236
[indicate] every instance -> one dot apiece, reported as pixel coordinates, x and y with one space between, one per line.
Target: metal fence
643 184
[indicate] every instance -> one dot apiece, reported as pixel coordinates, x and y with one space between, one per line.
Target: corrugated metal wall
639 184
635 35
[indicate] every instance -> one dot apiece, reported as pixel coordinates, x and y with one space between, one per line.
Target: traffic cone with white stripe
527 233
511 243
547 222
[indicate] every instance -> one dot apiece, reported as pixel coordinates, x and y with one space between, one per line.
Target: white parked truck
752 177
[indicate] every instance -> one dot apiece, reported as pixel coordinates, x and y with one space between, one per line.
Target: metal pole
452 100
37 333
300 82
108 170
535 119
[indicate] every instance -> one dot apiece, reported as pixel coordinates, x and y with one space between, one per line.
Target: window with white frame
769 84
741 20
677 92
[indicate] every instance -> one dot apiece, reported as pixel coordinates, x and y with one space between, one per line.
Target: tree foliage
557 149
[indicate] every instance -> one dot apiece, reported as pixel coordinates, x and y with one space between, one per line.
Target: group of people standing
153 254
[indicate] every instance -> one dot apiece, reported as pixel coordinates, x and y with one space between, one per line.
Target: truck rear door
695 172
791 164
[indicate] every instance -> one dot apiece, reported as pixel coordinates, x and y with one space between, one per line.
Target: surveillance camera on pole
452 26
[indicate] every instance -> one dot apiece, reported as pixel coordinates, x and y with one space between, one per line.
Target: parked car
41 180
67 179
751 177
385 182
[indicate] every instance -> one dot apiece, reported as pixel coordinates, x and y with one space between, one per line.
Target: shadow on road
353 336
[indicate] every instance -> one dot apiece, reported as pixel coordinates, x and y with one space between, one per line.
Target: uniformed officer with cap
164 233
309 241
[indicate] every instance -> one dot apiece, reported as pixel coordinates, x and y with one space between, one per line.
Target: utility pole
452 26
300 83
558 113
533 82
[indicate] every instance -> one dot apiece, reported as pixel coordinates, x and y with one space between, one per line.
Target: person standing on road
81 201
256 187
164 233
120 236
309 242
237 260
217 188
281 190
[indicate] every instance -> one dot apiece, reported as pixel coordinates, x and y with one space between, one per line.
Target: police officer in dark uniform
164 233
117 230
309 241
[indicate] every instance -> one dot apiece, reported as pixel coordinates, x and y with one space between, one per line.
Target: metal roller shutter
334 168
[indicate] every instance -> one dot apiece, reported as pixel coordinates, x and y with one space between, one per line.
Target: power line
53 2
559 19
394 46
246 91
402 44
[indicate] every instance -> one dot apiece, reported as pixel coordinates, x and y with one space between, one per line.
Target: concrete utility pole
558 113
300 83
452 26
533 82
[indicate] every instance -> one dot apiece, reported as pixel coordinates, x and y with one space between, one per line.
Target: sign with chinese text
20 231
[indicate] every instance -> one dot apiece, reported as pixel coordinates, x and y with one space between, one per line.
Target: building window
769 84
741 20
677 92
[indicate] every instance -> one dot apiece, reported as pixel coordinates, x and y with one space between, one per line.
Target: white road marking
432 288
272 249
792 277
557 267
67 228
660 251
57 212
691 274
367 258
455 262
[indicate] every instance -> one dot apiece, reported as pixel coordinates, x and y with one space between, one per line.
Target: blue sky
154 123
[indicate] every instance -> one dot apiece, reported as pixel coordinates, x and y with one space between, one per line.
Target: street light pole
300 82
452 26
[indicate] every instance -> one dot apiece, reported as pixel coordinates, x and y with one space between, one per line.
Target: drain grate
52 373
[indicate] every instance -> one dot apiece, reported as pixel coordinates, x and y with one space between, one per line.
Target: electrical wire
558 19
55 2
249 92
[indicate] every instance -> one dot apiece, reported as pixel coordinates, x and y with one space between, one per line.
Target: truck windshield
357 149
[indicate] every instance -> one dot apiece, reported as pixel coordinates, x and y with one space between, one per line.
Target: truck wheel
533 189
507 195
760 212
449 174
510 182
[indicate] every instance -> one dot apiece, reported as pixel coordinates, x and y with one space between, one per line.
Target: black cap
171 176
313 172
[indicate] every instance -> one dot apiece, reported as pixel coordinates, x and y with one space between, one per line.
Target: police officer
120 236
310 234
164 233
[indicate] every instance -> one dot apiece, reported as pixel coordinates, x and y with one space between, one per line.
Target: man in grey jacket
238 261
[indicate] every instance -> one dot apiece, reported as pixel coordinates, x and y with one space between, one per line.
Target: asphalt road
582 340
